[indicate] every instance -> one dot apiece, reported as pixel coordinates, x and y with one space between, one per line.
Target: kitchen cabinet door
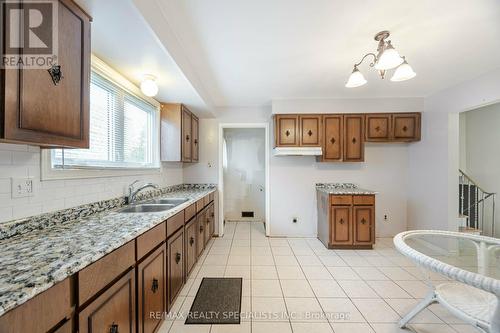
207 226
113 311
287 130
341 225
211 212
332 137
378 127
406 126
152 298
354 147
191 245
195 149
39 109
201 231
363 225
186 135
175 265
310 130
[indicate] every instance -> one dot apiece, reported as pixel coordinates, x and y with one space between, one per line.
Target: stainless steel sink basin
168 201
146 208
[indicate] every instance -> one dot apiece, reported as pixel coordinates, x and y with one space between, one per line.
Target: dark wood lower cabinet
152 295
363 225
191 245
341 225
113 311
175 265
211 214
201 231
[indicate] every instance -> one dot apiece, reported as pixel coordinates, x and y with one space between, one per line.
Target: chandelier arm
364 57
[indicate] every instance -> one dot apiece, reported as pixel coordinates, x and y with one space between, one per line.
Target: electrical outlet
295 220
22 187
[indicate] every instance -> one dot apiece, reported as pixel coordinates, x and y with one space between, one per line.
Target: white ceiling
123 39
249 52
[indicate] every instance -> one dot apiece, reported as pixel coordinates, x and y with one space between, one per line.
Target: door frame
222 126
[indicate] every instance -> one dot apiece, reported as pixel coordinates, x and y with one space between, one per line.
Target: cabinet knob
341 221
363 221
187 137
113 328
191 241
310 133
195 141
212 214
353 140
377 129
177 257
287 133
332 140
405 128
154 286
56 74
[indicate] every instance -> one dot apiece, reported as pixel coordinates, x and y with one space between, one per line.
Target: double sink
155 205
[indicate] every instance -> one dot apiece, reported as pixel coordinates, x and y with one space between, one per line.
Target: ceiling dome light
149 86
356 79
389 58
403 72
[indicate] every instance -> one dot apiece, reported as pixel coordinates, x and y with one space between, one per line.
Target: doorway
243 174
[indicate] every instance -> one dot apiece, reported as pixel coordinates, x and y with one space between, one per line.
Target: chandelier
387 58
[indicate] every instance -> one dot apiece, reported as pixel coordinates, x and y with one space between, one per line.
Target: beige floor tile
305 260
262 260
269 309
388 289
285 261
404 305
302 251
357 289
215 259
370 273
238 260
296 288
397 273
316 273
311 327
269 327
432 328
340 310
243 327
180 327
343 273
264 273
376 310
238 271
211 271
356 261
332 260
281 251
304 310
416 289
278 242
465 328
326 288
266 288
389 328
290 273
351 328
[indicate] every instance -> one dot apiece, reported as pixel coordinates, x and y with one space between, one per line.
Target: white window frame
50 173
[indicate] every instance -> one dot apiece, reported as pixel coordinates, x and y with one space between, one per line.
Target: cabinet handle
377 129
341 221
287 133
363 221
332 140
212 215
56 74
191 241
310 133
353 140
177 257
113 328
405 128
195 141
187 137
154 286
201 228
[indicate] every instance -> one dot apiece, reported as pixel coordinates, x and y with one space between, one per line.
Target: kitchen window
123 131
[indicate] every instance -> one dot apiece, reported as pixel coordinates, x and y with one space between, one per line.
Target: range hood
298 151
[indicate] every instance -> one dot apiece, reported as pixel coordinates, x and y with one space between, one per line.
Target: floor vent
247 214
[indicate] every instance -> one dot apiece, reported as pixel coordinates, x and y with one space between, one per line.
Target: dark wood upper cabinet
310 130
332 137
287 130
406 126
115 308
354 138
33 109
179 134
378 127
152 297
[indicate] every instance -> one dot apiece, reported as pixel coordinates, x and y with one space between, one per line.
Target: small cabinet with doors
179 134
298 130
49 106
392 127
346 221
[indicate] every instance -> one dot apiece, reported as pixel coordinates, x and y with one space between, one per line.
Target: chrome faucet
133 193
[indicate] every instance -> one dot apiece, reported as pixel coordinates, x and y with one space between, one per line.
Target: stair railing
477 204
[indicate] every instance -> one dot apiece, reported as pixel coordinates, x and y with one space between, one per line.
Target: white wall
21 161
244 173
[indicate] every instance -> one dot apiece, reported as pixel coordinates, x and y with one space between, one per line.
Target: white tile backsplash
19 161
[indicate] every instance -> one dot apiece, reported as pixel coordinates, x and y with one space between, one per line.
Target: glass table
470 266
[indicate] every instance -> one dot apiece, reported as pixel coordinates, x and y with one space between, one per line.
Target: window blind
122 131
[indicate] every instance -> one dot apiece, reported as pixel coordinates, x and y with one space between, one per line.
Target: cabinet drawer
189 212
95 277
35 316
150 239
174 223
114 308
206 200
199 205
340 199
364 200
211 197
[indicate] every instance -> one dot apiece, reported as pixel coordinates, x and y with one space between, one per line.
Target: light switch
22 187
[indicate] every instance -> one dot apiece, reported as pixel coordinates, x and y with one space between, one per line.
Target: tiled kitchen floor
309 289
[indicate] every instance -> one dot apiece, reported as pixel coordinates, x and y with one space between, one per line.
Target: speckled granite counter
32 262
342 188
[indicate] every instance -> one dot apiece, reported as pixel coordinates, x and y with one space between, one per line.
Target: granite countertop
343 188
33 262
